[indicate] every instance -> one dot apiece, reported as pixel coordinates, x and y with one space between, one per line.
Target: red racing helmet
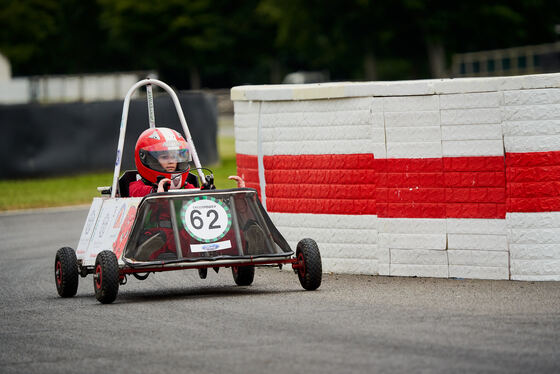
157 149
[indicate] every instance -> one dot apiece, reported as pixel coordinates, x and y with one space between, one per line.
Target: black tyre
66 272
310 270
203 273
243 275
106 277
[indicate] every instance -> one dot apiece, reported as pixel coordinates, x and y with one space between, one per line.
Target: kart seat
192 179
129 176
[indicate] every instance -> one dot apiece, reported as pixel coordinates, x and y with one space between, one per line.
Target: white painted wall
466 117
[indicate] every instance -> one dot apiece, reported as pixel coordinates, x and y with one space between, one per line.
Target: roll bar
120 147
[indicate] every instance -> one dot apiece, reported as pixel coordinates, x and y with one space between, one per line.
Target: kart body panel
107 227
182 228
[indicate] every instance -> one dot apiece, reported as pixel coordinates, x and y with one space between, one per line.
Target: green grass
81 189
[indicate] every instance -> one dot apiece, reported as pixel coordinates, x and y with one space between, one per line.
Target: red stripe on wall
326 184
320 162
410 188
459 187
454 187
248 169
533 182
475 187
320 206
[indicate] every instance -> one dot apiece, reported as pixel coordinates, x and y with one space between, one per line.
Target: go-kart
176 229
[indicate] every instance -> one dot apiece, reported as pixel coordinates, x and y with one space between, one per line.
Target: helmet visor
168 161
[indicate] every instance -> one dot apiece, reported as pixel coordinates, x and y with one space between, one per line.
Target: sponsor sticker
216 246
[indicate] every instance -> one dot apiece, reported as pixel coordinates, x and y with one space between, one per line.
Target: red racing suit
140 188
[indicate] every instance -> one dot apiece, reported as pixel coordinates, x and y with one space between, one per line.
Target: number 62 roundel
206 219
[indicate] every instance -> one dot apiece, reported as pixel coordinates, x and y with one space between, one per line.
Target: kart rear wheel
203 273
66 272
243 275
310 270
106 277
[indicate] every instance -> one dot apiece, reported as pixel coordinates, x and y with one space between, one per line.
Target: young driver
161 156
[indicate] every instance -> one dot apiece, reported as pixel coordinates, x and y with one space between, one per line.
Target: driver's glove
209 185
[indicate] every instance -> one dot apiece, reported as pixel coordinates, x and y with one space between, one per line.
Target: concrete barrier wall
440 178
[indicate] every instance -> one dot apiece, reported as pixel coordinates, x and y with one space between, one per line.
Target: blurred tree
79 45
435 21
509 23
53 37
176 37
249 55
343 37
448 27
220 43
26 26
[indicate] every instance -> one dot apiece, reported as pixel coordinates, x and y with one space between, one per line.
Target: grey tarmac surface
175 322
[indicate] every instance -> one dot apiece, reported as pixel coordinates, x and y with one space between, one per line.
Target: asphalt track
177 323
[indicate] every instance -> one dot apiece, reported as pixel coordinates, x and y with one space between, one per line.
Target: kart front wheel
243 275
106 277
309 268
66 272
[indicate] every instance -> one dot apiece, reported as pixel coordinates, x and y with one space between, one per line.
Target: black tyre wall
61 139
